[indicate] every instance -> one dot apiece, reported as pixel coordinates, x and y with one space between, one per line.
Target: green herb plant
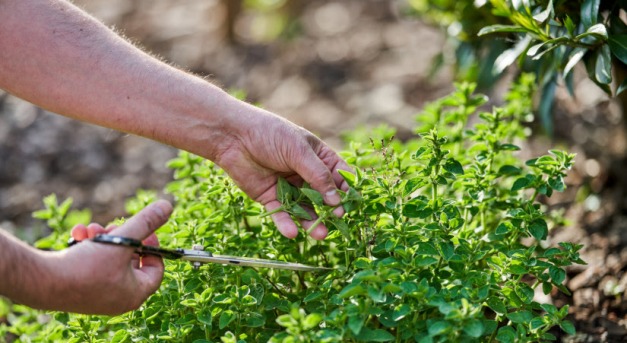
442 242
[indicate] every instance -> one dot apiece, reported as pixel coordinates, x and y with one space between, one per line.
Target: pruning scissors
197 256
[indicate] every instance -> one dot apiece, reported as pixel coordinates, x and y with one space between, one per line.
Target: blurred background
329 66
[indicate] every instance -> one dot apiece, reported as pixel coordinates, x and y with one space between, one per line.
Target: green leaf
341 226
204 317
312 296
622 87
558 275
570 26
283 191
501 28
438 327
544 15
226 318
568 327
539 229
519 184
352 289
356 323
453 166
618 46
520 317
603 65
497 305
120 336
507 57
473 328
377 335
598 31
536 323
300 212
575 56
589 12
524 292
313 195
509 170
546 105
350 178
423 261
312 320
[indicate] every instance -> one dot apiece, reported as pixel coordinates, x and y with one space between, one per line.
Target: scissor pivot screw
199 247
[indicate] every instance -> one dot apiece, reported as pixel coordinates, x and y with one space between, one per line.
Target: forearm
23 274
56 56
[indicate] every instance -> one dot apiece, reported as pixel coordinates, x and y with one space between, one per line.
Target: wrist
27 278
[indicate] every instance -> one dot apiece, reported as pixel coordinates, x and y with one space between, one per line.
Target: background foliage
548 37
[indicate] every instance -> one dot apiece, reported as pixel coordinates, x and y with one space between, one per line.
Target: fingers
286 226
146 221
319 167
80 232
282 220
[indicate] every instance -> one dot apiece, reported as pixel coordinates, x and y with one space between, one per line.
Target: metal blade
205 257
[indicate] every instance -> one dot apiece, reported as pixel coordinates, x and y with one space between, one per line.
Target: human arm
56 56
88 278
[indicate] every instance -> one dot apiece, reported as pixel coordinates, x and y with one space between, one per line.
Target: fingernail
332 198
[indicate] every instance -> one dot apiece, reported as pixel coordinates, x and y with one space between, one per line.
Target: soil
341 65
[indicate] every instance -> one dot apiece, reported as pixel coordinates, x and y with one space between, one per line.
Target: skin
61 59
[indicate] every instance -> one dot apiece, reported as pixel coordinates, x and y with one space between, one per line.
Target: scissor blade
203 257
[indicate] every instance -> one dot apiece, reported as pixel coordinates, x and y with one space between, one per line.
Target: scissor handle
141 249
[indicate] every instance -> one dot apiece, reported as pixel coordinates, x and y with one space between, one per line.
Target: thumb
146 221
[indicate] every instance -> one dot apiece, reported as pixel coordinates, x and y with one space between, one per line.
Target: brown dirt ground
343 64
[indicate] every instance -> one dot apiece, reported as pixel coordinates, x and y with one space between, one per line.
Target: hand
105 279
268 146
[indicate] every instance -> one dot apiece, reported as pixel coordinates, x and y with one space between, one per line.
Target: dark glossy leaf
589 12
603 66
507 57
621 88
575 56
546 105
544 15
618 46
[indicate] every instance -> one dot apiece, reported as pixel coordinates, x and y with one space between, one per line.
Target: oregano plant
441 242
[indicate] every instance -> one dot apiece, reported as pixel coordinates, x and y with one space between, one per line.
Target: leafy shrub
441 243
548 37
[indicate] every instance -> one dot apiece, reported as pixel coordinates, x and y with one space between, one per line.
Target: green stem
276 210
